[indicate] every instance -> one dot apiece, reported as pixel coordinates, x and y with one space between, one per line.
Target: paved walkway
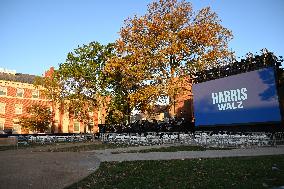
23 169
106 155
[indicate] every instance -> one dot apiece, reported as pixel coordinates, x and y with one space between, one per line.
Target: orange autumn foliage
156 51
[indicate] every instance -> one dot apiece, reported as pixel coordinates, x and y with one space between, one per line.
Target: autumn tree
121 86
152 59
115 111
50 87
162 48
38 119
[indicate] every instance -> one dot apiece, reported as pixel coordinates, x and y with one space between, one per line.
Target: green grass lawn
239 172
173 149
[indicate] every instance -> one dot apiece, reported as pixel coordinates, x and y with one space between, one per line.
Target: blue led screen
239 99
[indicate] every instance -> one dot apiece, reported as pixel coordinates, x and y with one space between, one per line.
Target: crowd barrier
209 139
198 138
45 139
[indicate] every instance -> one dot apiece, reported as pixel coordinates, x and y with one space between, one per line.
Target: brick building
17 93
182 104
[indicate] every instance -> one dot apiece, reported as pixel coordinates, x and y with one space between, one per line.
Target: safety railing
244 140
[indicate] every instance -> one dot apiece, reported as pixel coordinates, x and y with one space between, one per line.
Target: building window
17 129
20 92
2 121
91 125
76 126
35 94
3 90
18 108
2 108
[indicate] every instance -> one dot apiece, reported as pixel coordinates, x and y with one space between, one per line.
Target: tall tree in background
81 78
50 87
122 84
38 119
79 83
151 60
160 49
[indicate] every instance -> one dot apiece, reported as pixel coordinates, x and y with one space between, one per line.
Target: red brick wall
10 100
182 105
26 101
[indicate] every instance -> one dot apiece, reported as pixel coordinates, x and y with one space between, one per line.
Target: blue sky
35 35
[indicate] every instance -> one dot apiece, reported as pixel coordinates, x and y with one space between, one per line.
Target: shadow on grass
238 172
173 149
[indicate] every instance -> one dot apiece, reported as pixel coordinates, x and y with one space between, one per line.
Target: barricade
244 140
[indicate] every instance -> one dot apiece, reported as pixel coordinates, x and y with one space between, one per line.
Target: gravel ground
35 168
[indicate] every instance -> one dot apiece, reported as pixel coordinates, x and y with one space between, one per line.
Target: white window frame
78 126
2 108
20 91
3 90
33 93
18 109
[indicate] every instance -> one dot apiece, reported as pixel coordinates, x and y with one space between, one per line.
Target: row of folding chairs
47 139
199 138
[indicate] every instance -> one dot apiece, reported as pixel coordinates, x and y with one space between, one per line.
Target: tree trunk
128 111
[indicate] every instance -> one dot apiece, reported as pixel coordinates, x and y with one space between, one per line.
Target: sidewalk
106 155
